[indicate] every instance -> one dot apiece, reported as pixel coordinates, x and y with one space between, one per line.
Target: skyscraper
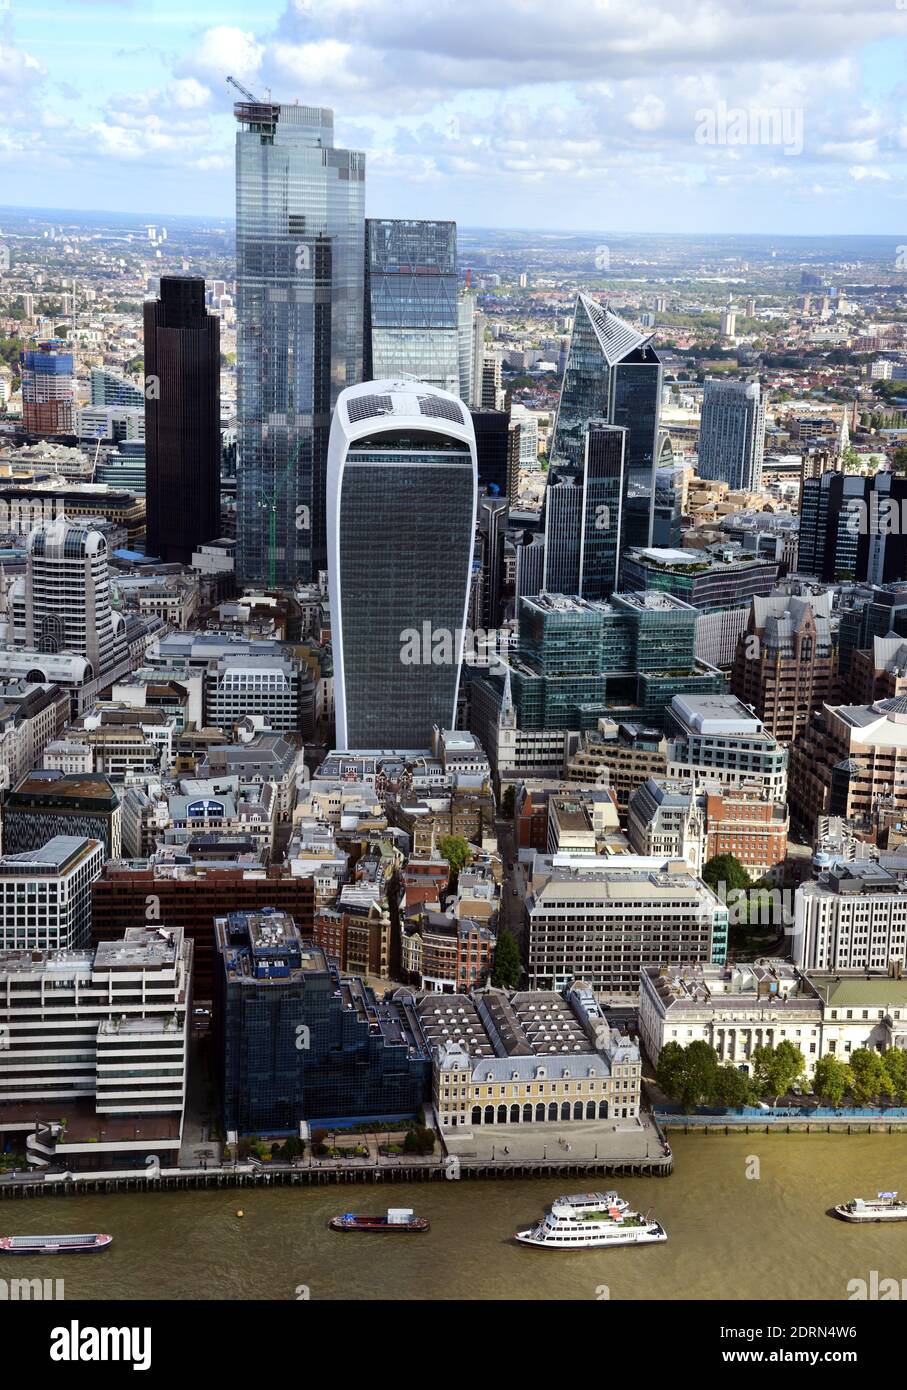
492 429
411 314
300 254
402 497
612 374
48 388
182 420
66 605
466 309
583 517
732 433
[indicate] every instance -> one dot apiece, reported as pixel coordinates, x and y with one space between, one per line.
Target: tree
726 876
899 462
869 1076
293 1148
508 965
410 1142
731 1087
894 1062
832 1080
456 851
669 1072
700 1065
508 800
776 1069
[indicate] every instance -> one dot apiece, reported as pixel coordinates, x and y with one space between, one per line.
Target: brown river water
730 1235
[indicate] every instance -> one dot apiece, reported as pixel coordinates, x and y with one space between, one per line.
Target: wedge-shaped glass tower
612 374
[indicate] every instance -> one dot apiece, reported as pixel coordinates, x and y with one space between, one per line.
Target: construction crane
269 504
249 96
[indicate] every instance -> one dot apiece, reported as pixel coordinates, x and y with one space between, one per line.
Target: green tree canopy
730 1088
456 851
777 1069
832 1080
894 1062
508 800
508 966
687 1074
869 1076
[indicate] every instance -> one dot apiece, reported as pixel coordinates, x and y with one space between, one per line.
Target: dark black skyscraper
182 419
492 448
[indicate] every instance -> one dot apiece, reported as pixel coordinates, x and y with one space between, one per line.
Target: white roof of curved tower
400 402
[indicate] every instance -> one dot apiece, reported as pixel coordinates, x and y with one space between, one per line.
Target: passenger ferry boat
397 1219
592 1219
887 1206
52 1245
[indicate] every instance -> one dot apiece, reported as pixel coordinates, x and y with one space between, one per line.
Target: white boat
887 1206
592 1219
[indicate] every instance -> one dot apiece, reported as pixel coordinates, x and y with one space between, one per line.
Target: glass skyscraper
411 312
612 374
300 234
402 493
583 517
732 433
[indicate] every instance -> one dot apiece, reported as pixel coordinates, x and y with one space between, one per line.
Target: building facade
732 433
300 259
401 510
182 419
411 312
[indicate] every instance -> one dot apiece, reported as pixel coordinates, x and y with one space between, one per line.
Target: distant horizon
157 218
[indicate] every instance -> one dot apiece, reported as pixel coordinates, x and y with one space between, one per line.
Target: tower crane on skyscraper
249 96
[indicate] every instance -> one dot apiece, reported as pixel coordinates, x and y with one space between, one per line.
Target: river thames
730 1235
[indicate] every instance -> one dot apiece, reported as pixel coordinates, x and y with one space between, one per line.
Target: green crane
271 498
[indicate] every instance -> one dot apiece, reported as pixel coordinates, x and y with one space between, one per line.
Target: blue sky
673 115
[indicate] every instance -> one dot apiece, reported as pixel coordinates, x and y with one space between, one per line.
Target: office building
850 759
191 892
786 666
612 374
401 509
531 1057
98 1079
32 714
358 1059
63 603
713 580
109 389
182 420
717 738
732 433
854 917
583 509
45 894
411 325
602 921
300 264
47 804
576 662
48 388
493 450
851 527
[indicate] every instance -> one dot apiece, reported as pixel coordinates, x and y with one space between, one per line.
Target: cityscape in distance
453 677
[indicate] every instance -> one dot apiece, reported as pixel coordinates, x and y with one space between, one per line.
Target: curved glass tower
300 236
402 493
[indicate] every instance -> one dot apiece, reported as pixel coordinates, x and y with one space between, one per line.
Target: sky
774 116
